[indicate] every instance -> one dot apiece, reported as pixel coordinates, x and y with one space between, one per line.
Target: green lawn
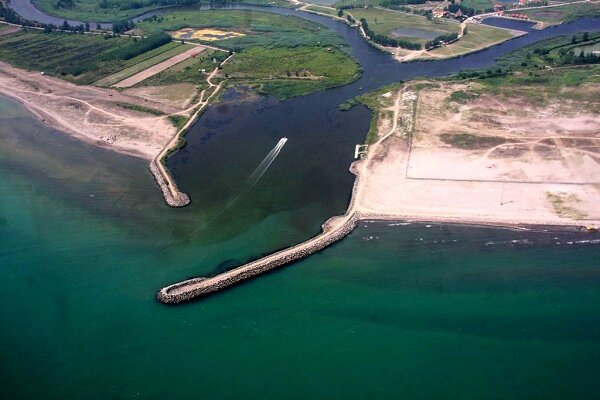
384 22
480 5
152 57
117 10
477 37
555 15
260 28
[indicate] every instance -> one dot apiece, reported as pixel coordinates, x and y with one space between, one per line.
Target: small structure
361 150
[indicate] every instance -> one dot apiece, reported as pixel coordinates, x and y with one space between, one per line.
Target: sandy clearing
419 177
155 69
9 29
91 114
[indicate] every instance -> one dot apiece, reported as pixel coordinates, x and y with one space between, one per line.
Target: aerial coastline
376 195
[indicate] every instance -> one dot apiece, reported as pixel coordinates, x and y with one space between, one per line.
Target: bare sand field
489 159
91 114
155 69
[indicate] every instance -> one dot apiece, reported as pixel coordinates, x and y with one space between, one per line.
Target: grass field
117 10
281 55
477 37
384 22
322 10
153 57
536 72
480 5
286 72
77 58
555 15
260 28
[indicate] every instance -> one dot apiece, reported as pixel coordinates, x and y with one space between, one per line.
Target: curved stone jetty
333 230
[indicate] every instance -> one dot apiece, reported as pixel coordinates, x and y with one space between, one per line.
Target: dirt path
173 196
156 68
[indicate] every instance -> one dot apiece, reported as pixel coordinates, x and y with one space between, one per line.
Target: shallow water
395 309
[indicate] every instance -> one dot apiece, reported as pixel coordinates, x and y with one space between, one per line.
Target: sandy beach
92 114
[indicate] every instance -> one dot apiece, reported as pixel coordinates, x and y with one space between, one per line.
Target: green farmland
479 5
82 59
152 57
117 10
189 71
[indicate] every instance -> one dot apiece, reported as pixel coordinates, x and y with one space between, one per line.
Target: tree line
388 41
442 39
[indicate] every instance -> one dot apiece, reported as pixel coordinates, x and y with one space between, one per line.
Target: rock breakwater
173 198
196 287
334 229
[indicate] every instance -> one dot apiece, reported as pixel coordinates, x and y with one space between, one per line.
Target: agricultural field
117 10
161 54
259 28
399 25
81 59
556 15
286 72
477 37
189 71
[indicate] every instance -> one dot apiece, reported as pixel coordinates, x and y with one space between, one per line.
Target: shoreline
335 229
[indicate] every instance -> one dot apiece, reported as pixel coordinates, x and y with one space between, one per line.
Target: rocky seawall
179 199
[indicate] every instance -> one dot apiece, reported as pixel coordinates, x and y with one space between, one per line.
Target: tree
340 12
87 26
586 36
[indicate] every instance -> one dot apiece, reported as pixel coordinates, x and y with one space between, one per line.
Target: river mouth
433 311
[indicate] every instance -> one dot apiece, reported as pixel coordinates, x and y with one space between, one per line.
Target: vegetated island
138 91
516 146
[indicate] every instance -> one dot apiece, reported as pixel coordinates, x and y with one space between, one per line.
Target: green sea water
393 311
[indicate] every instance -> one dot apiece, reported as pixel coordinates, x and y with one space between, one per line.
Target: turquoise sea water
393 311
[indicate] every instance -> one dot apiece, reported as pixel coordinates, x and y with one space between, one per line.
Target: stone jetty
173 198
334 229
